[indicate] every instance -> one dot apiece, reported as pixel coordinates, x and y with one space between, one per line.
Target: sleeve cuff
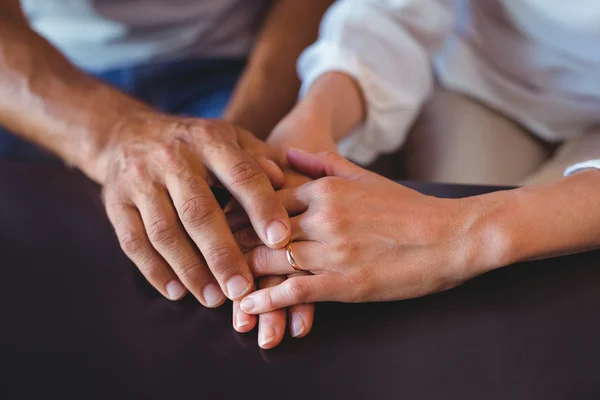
323 57
590 164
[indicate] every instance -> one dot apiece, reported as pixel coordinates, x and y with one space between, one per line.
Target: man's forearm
269 87
48 101
537 222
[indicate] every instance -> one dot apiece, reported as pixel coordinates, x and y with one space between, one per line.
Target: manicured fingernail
237 286
276 232
242 319
212 295
297 325
175 290
267 335
247 304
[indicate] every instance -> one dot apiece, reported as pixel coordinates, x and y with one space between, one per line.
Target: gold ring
290 257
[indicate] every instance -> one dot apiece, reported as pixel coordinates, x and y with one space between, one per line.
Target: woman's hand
271 325
364 238
305 129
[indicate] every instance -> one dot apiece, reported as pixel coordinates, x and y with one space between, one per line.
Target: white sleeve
590 164
386 46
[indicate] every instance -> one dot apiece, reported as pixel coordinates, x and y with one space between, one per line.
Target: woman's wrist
339 97
503 229
485 241
305 127
541 221
332 107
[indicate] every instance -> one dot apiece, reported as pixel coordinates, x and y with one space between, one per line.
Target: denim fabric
198 88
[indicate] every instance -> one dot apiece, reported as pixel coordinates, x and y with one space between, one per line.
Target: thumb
318 165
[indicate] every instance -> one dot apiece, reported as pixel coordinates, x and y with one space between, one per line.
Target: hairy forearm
269 86
538 221
48 101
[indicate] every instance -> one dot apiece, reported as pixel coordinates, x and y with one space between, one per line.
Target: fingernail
237 286
212 295
297 325
276 232
247 304
175 290
242 319
267 335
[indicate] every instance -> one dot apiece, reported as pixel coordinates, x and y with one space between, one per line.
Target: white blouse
535 61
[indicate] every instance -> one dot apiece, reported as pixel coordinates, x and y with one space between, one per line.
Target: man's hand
159 171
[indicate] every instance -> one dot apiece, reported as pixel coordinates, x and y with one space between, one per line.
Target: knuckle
222 259
162 232
267 300
332 220
259 261
296 290
327 186
198 210
244 173
211 133
139 184
152 271
131 242
137 170
167 156
188 271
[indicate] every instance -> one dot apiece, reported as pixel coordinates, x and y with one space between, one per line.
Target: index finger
251 187
296 290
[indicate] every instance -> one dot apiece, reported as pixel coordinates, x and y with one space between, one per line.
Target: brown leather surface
79 321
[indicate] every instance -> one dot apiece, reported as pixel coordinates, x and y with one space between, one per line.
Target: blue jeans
198 88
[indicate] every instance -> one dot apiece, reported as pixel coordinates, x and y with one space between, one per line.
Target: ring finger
309 256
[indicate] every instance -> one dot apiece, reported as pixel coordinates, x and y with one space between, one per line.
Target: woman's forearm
332 107
538 221
338 98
